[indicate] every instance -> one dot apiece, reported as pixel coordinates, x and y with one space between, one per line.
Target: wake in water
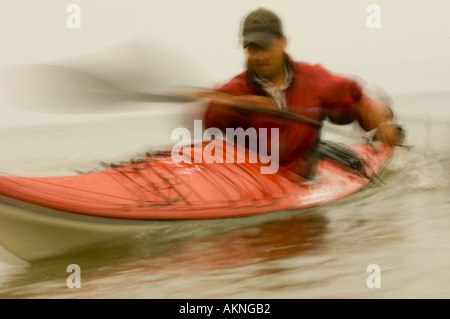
415 170
426 165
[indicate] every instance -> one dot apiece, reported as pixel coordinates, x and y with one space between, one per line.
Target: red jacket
314 93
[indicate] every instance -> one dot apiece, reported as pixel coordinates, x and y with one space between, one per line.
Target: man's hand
373 115
389 133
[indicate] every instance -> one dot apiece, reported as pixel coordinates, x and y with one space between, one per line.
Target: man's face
266 60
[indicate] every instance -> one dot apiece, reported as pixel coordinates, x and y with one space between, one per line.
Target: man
274 81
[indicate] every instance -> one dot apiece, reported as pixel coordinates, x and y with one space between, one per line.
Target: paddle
61 89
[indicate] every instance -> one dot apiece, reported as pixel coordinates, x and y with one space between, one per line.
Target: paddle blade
101 81
55 89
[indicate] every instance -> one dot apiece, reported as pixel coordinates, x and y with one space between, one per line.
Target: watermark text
374 279
374 19
73 21
74 279
258 146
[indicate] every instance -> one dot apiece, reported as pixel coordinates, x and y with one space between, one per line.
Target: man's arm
373 114
249 100
345 101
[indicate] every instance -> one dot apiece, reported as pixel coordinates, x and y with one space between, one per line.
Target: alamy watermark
374 19
73 21
74 279
374 279
257 146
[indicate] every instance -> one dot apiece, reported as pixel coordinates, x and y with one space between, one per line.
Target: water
401 224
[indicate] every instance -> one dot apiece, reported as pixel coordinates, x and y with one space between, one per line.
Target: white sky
409 53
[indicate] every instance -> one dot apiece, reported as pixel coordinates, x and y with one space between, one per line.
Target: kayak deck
156 187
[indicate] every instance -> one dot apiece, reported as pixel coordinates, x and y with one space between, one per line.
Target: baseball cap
260 27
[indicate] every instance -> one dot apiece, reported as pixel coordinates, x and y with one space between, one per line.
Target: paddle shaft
139 96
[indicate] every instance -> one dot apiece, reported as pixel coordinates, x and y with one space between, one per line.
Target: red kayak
156 187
